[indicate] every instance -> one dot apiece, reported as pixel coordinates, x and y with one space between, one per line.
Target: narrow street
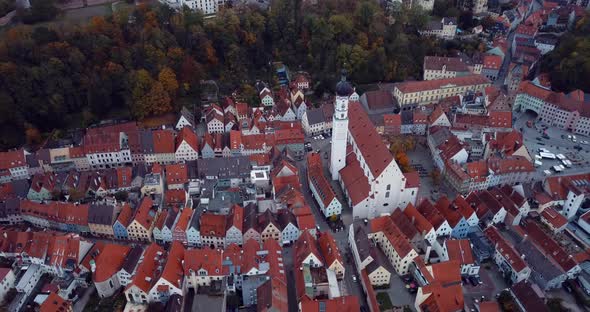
537 5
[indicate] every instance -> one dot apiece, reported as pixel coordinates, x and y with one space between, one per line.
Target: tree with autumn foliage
167 78
403 161
146 60
148 97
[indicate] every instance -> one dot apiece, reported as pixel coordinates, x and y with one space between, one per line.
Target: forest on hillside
151 60
568 65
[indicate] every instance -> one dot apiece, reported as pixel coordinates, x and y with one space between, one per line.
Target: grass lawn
384 301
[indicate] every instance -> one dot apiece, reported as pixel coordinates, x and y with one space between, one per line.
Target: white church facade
367 172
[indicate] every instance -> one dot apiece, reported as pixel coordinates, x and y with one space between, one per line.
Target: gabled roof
125 216
109 261
528 297
163 141
304 246
417 219
210 260
146 273
339 304
354 180
505 249
54 303
235 218
431 213
549 246
418 86
186 134
176 174
453 217
556 219
213 225
369 143
145 214
173 271
460 250
398 240
329 249
267 218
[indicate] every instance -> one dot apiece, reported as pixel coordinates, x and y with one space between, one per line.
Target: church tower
340 126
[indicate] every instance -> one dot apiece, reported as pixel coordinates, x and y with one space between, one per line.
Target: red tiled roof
511 164
489 306
463 207
329 249
455 64
55 303
419 221
393 120
354 180
505 248
12 159
443 205
236 218
492 62
305 220
460 250
412 179
163 141
173 270
186 134
339 304
213 225
176 174
148 268
304 246
183 220
315 173
109 261
145 214
162 219
556 219
175 197
125 216
430 213
242 109
368 141
526 30
443 298
507 142
417 86
398 240
549 246
207 259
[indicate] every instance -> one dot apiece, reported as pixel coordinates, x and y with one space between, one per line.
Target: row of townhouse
287 135
243 224
55 253
388 245
288 106
493 171
321 188
565 111
532 254
319 267
412 93
155 275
